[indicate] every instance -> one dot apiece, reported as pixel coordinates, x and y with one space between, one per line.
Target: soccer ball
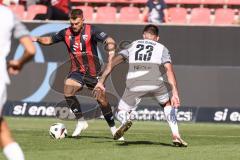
58 131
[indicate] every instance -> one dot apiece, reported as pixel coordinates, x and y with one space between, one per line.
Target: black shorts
89 81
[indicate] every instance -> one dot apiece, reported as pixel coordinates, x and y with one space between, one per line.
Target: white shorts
131 98
3 96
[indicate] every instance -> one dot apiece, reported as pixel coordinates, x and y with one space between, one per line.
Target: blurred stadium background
203 12
203 38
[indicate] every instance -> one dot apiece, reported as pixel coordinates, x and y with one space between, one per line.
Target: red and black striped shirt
82 48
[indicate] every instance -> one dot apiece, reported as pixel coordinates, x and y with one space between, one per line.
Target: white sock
170 114
122 116
113 130
81 120
13 152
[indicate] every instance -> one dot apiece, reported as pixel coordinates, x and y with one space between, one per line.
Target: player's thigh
130 100
71 86
162 95
90 82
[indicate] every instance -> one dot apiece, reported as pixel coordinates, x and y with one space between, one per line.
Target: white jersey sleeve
128 49
166 58
20 30
9 23
124 53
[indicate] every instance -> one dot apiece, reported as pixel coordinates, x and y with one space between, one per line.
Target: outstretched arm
14 66
48 40
43 40
175 101
115 61
99 88
21 33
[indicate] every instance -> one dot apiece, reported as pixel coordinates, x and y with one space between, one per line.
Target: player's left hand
14 67
98 89
99 86
175 101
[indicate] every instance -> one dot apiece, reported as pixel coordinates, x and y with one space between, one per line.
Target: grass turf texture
145 140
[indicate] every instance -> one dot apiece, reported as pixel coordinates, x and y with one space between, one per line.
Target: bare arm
14 66
29 49
100 85
43 40
115 61
175 101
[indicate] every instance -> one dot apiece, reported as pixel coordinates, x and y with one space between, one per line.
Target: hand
100 86
98 89
14 67
175 101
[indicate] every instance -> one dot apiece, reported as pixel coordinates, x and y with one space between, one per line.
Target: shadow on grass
89 137
121 143
128 143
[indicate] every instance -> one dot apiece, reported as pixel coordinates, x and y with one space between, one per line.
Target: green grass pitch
145 141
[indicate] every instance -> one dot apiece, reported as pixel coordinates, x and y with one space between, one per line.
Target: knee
69 90
164 104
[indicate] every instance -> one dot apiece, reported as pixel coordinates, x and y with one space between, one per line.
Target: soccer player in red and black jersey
81 40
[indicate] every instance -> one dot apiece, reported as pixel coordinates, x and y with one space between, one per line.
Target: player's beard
77 31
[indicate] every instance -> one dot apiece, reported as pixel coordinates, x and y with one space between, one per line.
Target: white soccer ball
58 131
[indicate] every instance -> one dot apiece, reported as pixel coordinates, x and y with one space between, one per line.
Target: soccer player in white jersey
10 23
145 57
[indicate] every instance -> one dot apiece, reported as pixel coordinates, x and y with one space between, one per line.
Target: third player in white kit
150 73
10 24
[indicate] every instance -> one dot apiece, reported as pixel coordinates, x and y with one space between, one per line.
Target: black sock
108 114
75 106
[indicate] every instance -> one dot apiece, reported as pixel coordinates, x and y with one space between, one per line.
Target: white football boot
81 126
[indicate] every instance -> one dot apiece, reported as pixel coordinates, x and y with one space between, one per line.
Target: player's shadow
89 137
127 143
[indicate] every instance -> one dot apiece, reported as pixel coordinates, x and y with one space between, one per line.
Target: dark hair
151 29
75 13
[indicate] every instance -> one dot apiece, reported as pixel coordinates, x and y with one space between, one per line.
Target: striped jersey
82 48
